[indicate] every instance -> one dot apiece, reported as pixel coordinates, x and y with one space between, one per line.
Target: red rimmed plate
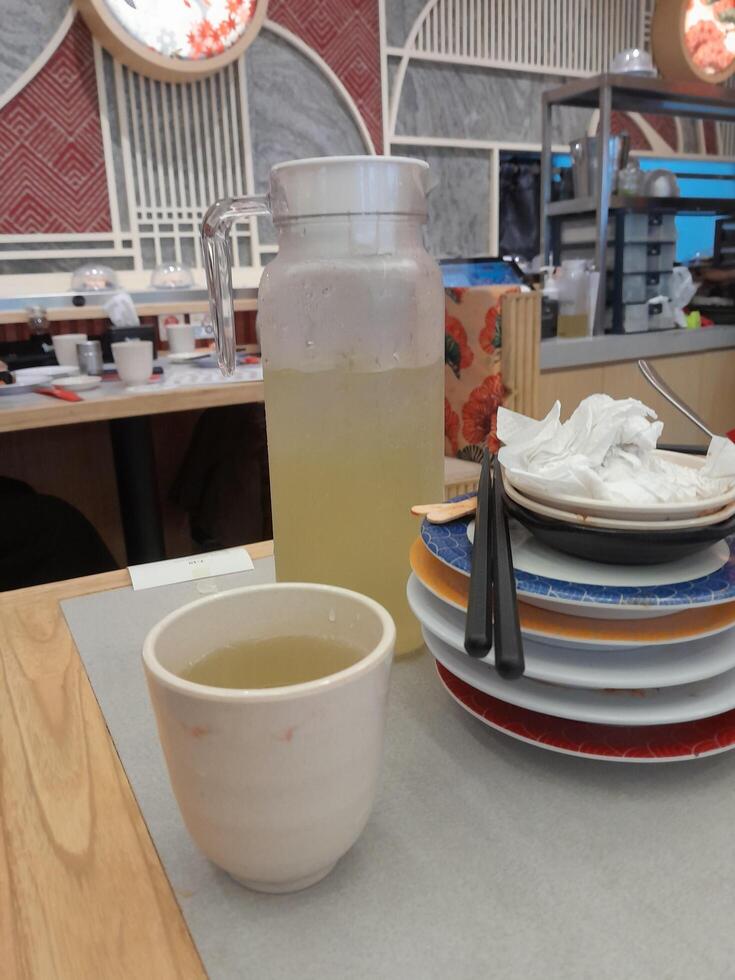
608 743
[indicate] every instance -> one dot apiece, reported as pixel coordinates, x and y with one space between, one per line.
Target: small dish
79 382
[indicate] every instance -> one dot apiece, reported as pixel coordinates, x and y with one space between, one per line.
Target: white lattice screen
170 150
565 37
185 145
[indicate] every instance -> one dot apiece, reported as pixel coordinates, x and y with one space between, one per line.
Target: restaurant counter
698 364
559 353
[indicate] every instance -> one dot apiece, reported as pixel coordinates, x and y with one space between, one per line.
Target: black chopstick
478 634
508 646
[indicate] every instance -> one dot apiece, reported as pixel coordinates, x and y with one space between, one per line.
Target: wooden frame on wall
671 49
128 50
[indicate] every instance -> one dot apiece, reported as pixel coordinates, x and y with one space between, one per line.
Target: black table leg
132 448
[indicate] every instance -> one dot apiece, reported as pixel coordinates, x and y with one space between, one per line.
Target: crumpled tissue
605 451
121 310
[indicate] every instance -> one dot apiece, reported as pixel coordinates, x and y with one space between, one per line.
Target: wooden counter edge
120 579
183 399
83 892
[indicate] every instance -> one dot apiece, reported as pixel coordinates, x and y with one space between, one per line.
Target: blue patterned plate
449 543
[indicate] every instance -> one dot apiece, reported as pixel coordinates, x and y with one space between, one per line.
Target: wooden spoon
444 513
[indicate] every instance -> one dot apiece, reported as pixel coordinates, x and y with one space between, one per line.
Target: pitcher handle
217 249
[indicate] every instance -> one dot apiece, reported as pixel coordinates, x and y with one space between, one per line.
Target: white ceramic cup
65 347
274 784
180 337
133 360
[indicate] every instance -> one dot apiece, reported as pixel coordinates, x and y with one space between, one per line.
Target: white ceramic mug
133 360
180 337
274 784
65 348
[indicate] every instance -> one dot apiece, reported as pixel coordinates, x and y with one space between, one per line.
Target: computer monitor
480 271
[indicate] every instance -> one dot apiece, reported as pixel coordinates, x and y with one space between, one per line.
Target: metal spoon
654 378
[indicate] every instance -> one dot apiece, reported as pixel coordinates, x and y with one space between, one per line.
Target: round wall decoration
694 39
174 40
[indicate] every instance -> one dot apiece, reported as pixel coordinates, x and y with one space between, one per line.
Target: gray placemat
484 857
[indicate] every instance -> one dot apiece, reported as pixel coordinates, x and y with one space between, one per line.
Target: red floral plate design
609 743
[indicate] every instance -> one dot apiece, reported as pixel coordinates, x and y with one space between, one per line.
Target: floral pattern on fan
188 29
480 413
473 382
449 543
451 426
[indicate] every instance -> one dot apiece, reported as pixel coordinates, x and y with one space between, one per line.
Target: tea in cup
270 705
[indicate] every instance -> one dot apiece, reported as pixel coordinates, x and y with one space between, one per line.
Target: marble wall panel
295 112
459 205
477 103
27 28
399 17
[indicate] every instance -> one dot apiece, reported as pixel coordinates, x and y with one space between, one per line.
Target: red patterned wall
345 33
51 157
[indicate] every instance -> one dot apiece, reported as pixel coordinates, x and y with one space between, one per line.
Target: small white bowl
570 517
655 512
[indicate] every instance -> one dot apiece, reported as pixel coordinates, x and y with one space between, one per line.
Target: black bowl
619 547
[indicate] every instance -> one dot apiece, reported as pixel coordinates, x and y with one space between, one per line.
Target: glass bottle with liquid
573 287
351 323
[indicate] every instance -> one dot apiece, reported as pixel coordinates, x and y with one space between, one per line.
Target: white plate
641 667
28 379
190 355
667 743
632 512
569 517
580 632
24 389
656 706
530 555
594 610
40 374
81 382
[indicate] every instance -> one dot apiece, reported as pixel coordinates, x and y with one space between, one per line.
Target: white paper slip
212 563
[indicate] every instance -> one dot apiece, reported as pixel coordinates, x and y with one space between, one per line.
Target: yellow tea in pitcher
342 489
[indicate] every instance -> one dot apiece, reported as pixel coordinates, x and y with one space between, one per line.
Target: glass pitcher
351 323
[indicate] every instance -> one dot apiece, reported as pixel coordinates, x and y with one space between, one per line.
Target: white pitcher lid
349 185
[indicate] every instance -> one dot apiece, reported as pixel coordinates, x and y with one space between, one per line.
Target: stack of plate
627 663
623 533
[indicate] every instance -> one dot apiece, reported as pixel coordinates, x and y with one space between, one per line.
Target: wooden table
113 401
82 891
128 415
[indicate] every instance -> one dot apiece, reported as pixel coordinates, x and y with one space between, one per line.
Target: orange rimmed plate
569 631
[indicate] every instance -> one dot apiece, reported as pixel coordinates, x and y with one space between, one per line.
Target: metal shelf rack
626 93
